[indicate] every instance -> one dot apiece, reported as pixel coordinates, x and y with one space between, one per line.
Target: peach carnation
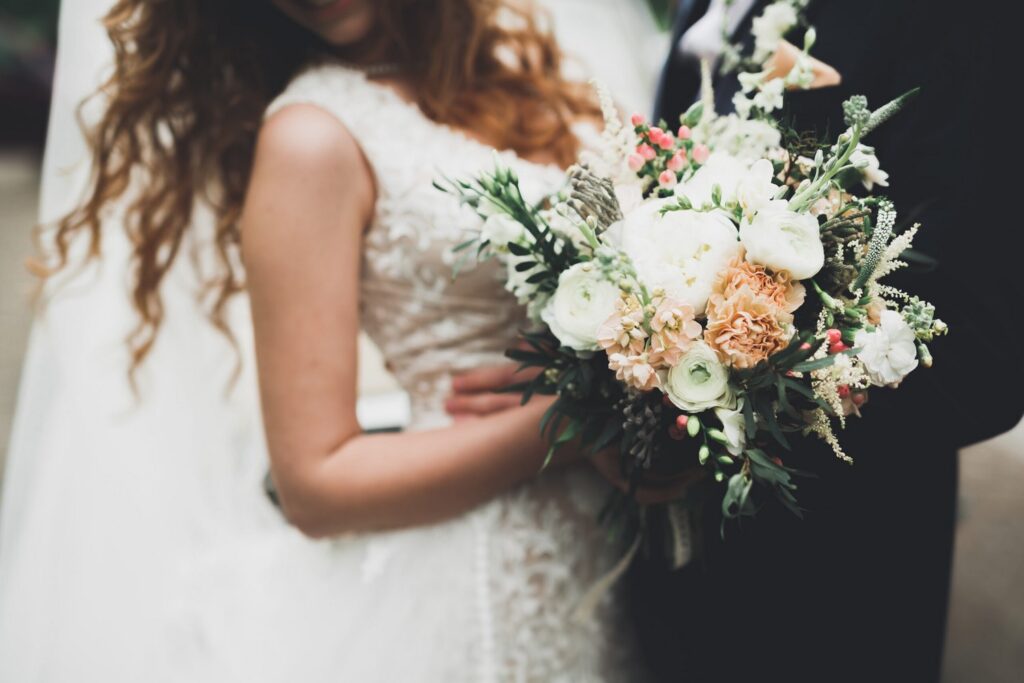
745 328
779 288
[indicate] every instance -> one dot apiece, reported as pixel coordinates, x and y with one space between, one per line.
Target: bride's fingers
491 378
480 404
607 464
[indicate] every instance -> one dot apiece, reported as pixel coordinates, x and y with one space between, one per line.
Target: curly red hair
192 79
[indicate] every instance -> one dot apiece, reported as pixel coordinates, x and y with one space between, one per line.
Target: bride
313 143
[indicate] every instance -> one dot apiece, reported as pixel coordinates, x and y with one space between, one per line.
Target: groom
858 590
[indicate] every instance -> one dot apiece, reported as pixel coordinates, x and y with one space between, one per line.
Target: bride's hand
651 492
475 392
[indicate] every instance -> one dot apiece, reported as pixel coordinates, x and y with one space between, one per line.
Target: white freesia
781 239
769 95
755 189
734 426
889 353
583 300
865 161
746 139
699 381
499 229
723 170
769 28
563 226
681 252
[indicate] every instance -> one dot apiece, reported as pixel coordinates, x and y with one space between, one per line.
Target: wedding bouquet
708 296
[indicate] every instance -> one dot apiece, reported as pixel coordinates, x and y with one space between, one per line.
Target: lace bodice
425 322
525 560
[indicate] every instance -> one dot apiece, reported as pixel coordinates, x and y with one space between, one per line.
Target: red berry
834 336
844 390
859 399
805 346
681 421
838 347
676 433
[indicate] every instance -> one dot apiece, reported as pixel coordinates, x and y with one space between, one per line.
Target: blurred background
986 627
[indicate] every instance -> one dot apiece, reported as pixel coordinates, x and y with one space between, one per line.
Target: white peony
681 252
889 353
734 426
699 381
723 170
755 189
865 161
583 301
499 229
781 239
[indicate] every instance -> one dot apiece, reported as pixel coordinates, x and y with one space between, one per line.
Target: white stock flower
755 189
681 252
499 229
769 95
889 353
734 426
720 169
699 381
780 239
864 159
769 28
583 300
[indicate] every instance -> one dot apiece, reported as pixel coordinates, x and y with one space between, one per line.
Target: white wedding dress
487 596
135 541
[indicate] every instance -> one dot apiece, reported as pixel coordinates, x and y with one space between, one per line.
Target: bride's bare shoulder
304 136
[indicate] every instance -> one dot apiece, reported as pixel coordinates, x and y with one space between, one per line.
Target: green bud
693 426
703 454
725 460
716 194
717 435
684 202
810 36
719 476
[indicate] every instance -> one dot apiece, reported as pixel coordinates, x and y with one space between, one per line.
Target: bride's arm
310 197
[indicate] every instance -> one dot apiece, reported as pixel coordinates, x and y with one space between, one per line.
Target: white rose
864 159
499 229
734 426
755 189
699 381
889 353
781 239
720 169
682 251
583 301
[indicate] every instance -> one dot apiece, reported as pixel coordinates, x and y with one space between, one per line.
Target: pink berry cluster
663 157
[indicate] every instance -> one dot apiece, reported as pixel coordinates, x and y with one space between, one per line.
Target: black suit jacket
858 590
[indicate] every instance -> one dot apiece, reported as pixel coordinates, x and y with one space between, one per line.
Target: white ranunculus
720 169
499 229
871 173
734 426
769 28
699 381
889 353
583 300
781 239
682 251
755 189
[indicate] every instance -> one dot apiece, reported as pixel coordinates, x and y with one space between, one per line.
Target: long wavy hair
190 84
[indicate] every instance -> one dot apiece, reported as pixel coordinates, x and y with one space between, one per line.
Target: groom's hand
474 392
